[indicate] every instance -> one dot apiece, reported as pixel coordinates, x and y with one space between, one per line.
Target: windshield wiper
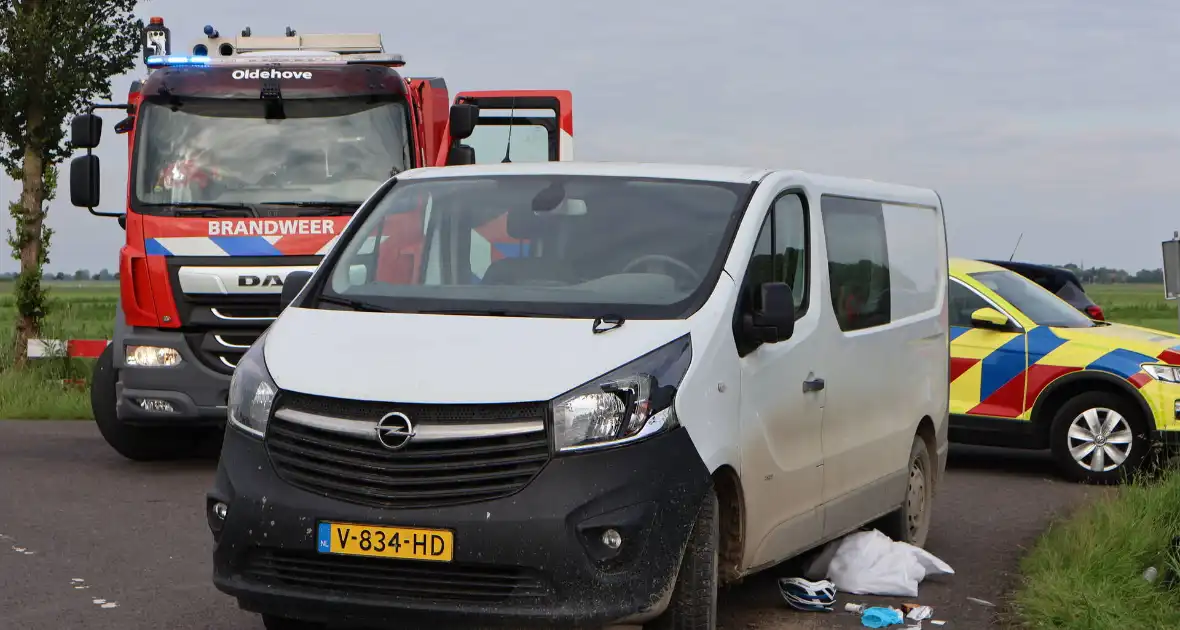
202 208
356 305
475 312
607 323
314 204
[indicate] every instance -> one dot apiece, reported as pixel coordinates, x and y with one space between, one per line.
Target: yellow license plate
408 543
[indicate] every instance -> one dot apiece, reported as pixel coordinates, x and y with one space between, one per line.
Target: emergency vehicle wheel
136 443
1099 437
911 523
271 622
694 598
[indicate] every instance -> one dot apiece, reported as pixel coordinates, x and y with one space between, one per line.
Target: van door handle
813 385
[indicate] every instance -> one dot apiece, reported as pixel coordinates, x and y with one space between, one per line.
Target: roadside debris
871 616
870 563
982 602
807 595
880 617
916 612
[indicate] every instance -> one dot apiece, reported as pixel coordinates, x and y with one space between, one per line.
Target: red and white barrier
73 348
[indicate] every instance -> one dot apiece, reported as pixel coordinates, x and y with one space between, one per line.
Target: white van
585 393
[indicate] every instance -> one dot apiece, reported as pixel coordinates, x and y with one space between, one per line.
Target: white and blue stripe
221 246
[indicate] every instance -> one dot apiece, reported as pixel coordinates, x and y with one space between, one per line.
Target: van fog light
152 356
612 539
215 513
157 405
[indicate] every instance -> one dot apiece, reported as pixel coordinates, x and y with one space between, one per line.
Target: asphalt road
91 540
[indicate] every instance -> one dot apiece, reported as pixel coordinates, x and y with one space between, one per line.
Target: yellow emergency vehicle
1030 371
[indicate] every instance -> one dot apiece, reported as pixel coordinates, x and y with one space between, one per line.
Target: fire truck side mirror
460 155
292 285
464 116
84 180
85 131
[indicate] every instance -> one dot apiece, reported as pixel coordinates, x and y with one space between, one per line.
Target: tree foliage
56 56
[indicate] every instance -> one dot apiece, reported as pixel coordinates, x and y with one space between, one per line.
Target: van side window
963 302
858 261
761 267
780 254
790 246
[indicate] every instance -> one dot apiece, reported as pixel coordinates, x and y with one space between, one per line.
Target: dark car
1062 282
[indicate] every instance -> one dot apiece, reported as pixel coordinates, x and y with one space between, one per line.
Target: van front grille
422 474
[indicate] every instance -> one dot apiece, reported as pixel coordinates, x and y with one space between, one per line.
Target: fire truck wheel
132 442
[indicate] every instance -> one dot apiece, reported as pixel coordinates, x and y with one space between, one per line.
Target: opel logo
394 430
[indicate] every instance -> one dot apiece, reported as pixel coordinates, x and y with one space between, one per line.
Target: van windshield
545 245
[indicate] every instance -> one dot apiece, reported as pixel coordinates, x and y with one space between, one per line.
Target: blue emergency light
160 61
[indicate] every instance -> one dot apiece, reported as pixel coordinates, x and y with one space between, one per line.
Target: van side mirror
990 319
460 155
294 283
84 181
773 319
85 131
464 117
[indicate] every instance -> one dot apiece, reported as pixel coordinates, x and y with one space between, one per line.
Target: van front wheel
694 598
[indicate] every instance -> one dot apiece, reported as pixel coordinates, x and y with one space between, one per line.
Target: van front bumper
533 558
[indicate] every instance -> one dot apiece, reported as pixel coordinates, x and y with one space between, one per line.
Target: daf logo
271 280
394 430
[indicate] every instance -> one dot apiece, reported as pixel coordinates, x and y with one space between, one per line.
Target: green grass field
1081 575
1138 304
78 310
86 310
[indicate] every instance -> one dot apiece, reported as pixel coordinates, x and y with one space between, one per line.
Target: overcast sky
1057 118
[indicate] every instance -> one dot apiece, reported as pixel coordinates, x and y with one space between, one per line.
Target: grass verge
36 393
1087 573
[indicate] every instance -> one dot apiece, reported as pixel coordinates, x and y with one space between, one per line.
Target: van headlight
251 392
626 405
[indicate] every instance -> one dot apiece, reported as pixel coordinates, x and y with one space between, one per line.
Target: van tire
273 622
1130 419
911 522
694 597
135 443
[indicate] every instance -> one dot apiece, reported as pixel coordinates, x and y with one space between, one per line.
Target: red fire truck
247 156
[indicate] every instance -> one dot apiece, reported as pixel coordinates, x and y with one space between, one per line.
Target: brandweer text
271 227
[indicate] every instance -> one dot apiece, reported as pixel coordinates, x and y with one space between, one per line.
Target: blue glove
878 617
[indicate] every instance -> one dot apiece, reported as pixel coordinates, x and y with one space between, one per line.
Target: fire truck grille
220 329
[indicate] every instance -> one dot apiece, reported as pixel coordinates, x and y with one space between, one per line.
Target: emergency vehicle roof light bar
302 58
361 47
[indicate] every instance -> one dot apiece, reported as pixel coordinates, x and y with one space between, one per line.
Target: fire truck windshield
227 152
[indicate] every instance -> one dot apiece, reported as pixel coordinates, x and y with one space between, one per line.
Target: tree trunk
32 201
